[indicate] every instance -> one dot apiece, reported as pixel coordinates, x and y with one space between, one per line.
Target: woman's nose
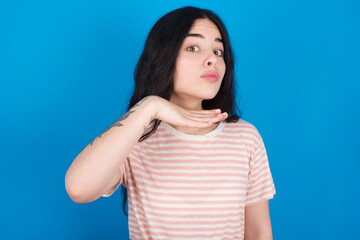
210 59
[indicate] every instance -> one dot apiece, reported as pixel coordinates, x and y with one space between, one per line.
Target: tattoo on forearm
115 124
118 122
140 102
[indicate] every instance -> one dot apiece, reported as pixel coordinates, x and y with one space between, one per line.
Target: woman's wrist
151 104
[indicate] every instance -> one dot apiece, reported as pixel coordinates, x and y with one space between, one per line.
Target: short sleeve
260 182
122 180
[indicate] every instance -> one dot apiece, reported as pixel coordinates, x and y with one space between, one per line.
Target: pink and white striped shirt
183 186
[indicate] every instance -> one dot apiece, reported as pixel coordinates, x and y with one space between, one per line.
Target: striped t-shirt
183 186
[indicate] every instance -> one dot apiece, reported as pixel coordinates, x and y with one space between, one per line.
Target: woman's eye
218 53
193 48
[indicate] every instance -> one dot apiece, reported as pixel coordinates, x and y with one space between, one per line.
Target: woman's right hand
178 116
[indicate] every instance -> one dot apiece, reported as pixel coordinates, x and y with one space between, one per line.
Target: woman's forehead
205 27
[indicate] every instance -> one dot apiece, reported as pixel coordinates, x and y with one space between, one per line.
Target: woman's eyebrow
198 35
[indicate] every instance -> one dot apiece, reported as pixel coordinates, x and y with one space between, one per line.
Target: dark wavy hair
154 72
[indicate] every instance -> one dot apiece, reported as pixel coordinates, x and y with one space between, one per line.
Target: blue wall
66 75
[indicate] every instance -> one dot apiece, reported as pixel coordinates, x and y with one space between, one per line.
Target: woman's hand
175 115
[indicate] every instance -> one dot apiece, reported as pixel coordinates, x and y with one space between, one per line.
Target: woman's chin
209 95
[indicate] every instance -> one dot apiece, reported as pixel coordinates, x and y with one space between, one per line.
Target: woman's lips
211 76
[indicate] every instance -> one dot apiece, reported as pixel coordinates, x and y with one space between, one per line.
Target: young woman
190 171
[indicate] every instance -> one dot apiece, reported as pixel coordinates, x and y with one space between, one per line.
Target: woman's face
200 65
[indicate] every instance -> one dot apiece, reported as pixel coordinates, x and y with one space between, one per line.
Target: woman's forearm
98 164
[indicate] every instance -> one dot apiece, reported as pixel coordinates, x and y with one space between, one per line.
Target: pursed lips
212 76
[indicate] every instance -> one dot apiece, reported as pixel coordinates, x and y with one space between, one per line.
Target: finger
209 123
202 118
220 117
199 114
202 122
204 112
196 124
215 118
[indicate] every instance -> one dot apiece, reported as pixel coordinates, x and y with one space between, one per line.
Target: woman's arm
257 222
97 168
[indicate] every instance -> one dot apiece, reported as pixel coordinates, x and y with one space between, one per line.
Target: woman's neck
187 103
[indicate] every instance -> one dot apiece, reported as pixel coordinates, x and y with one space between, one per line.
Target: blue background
66 75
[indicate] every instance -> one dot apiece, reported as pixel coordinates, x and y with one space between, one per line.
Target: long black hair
154 72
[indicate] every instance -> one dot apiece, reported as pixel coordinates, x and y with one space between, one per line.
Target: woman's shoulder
242 126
